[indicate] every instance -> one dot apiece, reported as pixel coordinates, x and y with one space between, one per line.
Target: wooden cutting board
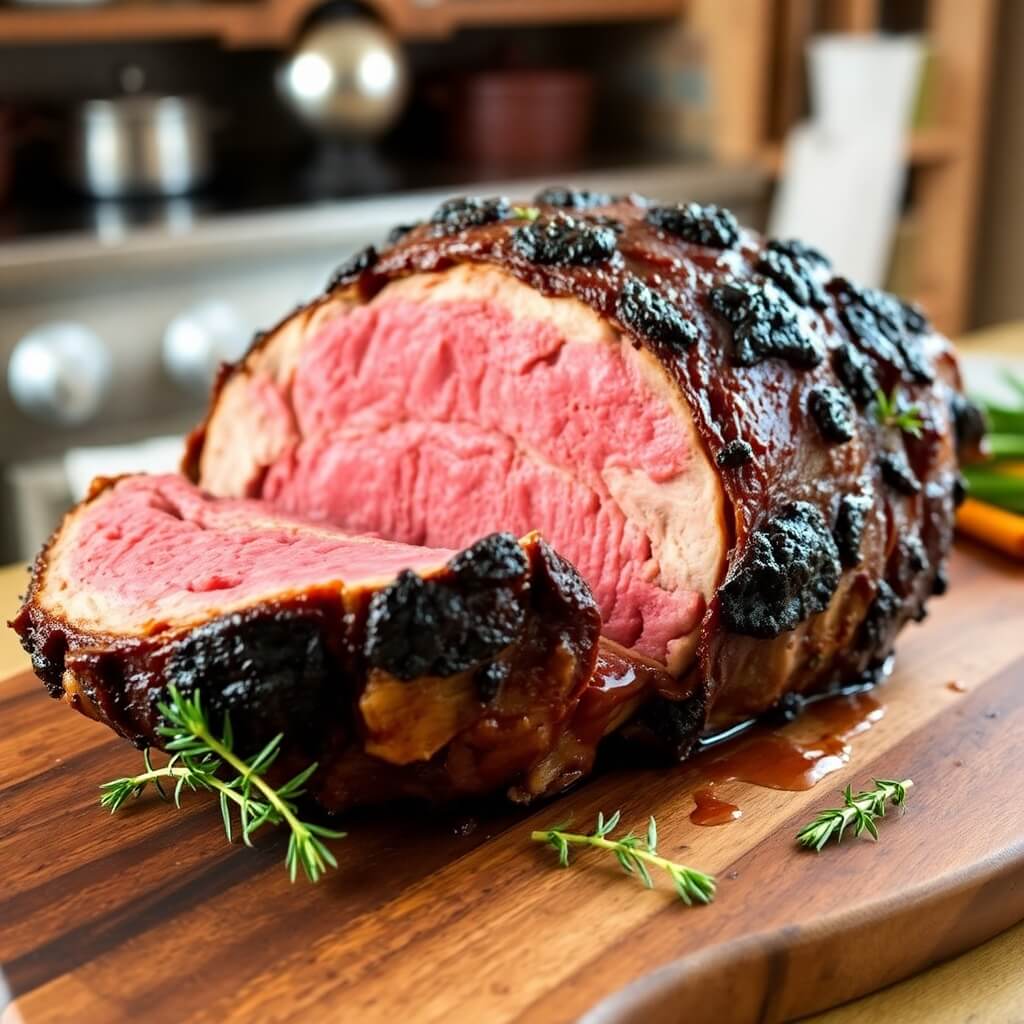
454 915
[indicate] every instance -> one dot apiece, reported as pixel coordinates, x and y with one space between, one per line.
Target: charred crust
856 374
46 647
555 578
572 198
960 489
488 680
564 241
646 314
353 267
789 571
914 318
790 707
733 455
797 250
417 627
399 231
465 212
833 412
765 324
709 225
879 620
913 557
940 582
851 519
668 729
269 668
896 472
968 421
884 328
795 276
496 558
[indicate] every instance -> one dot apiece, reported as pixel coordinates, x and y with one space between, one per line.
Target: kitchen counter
982 986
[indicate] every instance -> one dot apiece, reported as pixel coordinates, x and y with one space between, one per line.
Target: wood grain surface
453 914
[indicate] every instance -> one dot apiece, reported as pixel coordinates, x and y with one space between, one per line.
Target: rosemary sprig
890 411
198 757
633 854
525 212
859 810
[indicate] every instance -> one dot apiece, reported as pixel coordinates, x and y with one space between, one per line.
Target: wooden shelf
924 149
255 23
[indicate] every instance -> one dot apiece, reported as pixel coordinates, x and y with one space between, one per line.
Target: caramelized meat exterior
835 523
460 675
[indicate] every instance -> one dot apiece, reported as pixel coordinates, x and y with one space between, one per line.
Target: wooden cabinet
252 23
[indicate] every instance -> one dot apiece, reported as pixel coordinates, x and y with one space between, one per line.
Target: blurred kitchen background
175 174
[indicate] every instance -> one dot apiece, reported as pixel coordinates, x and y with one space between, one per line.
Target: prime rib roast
751 461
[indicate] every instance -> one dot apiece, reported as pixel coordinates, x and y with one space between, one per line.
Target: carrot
994 526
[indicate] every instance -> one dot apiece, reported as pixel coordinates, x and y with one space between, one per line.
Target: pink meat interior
436 423
160 547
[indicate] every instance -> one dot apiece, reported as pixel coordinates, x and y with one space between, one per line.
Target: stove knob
197 341
60 373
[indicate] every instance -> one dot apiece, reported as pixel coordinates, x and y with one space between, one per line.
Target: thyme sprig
891 411
859 810
633 854
198 760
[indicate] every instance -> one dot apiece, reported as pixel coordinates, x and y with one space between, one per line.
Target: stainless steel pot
141 145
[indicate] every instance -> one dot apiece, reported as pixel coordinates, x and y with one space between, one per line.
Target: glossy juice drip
710 809
795 757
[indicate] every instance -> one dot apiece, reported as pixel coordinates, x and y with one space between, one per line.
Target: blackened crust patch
896 472
789 571
488 679
353 267
885 328
796 276
765 324
798 250
735 454
464 212
645 313
438 627
270 669
968 420
399 231
565 241
668 729
856 373
572 198
960 489
708 225
496 558
833 412
849 529
880 616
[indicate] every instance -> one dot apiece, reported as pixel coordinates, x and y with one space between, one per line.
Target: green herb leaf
890 411
634 856
859 810
525 212
200 759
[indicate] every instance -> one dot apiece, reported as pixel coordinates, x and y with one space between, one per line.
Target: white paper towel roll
843 171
